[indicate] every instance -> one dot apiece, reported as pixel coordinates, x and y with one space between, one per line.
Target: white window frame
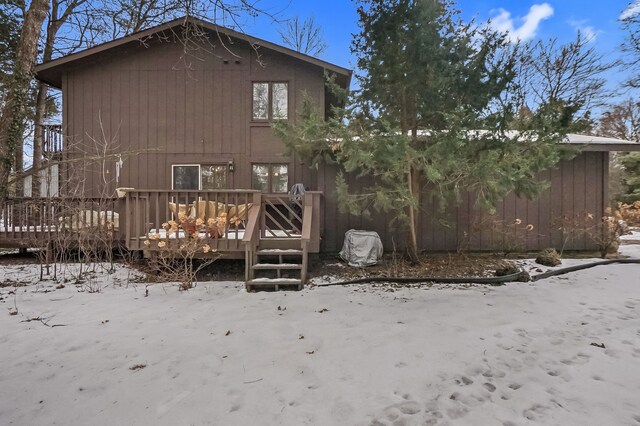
173 182
199 166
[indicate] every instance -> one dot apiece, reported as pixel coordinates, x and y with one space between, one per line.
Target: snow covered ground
521 354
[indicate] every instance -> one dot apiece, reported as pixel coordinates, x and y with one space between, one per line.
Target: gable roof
51 72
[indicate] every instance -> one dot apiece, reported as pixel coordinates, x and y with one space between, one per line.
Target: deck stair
278 268
278 238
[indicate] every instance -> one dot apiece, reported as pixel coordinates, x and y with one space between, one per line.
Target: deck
232 223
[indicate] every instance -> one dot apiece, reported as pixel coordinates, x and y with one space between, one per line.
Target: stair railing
251 238
306 234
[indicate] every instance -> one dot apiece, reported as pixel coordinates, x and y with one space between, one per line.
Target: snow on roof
599 143
597 140
590 143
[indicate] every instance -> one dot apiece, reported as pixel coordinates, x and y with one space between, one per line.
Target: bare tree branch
304 36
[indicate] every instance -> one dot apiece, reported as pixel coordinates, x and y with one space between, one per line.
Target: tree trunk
412 249
13 112
38 138
41 100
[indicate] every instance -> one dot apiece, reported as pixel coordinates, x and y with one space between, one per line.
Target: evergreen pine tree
430 117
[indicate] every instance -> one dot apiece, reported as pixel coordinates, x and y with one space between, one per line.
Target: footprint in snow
489 387
464 381
494 373
534 412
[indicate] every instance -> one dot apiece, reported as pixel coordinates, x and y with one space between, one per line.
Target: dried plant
175 249
630 213
605 232
511 234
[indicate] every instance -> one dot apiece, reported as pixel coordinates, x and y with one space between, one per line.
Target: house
180 115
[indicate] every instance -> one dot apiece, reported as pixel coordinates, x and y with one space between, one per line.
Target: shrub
630 213
548 257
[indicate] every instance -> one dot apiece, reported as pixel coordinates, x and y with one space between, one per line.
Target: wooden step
276 266
279 252
273 283
279 243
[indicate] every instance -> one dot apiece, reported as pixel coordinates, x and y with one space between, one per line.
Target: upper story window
270 101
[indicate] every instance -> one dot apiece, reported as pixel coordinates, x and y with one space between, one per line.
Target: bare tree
61 11
631 49
621 121
304 36
571 73
129 16
14 110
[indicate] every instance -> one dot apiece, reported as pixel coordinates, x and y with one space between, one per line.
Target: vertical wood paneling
89 115
148 176
239 122
555 207
579 193
605 178
125 107
532 237
216 112
159 139
182 115
172 143
544 214
567 195
225 102
191 144
152 125
208 109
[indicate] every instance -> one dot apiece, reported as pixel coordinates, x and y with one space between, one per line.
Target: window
270 101
272 178
214 176
200 176
186 177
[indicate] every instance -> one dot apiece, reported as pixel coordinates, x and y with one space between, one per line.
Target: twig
39 319
58 300
253 381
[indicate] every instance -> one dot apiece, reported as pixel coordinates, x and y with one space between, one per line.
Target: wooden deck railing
31 222
148 210
251 238
53 142
281 217
28 222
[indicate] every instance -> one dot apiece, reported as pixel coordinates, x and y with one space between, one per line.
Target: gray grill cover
361 248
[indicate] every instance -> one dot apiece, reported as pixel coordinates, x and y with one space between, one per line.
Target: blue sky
530 20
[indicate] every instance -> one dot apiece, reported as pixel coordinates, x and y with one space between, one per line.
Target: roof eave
608 147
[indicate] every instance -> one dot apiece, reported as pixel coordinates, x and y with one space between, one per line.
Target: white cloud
632 10
588 32
503 22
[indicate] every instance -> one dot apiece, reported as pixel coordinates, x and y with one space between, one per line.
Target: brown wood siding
170 110
576 188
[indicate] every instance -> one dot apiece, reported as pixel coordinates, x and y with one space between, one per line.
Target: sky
522 19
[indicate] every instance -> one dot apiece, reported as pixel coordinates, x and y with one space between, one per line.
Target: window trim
173 166
173 181
270 84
